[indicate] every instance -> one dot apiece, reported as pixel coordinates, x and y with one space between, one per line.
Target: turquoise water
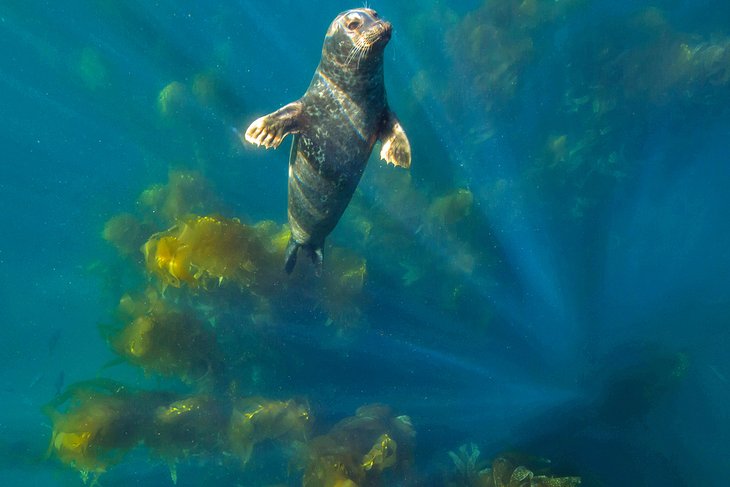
549 279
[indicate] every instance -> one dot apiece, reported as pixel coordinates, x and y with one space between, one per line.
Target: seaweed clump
358 450
256 419
164 340
497 41
206 250
639 72
186 243
203 253
96 423
470 471
159 207
186 192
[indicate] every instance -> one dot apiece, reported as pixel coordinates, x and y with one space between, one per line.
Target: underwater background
544 293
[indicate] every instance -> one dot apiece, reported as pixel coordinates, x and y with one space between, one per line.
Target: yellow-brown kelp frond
165 341
187 426
471 472
497 41
506 474
256 419
468 467
97 422
592 147
344 278
185 193
173 100
127 233
449 209
382 455
669 66
358 449
206 251
207 90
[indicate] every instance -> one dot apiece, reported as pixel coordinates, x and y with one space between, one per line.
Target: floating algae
204 265
187 426
173 100
498 40
616 97
159 207
164 340
205 250
185 193
126 233
447 210
357 450
256 419
203 253
470 471
96 423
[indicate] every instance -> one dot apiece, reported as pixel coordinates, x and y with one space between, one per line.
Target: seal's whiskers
363 44
357 49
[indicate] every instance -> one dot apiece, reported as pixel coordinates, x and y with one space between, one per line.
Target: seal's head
356 37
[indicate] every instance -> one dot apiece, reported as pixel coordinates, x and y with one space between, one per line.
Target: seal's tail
290 256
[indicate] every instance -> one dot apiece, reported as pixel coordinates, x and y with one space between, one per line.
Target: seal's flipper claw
271 129
290 255
395 146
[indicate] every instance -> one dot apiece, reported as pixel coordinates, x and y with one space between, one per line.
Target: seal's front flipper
271 129
395 149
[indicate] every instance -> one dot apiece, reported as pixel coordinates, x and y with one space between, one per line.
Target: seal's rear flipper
290 255
395 146
317 256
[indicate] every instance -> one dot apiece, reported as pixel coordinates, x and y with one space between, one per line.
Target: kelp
471 471
358 450
256 419
96 423
164 340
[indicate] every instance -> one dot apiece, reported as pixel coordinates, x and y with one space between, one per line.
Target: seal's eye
353 24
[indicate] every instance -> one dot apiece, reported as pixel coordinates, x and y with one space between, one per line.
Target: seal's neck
363 79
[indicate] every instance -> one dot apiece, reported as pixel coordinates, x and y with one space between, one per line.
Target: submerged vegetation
96 423
199 273
471 471
619 80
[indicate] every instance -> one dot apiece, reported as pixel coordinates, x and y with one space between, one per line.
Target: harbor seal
335 125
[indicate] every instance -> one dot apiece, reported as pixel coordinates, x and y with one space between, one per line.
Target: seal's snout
387 30
379 32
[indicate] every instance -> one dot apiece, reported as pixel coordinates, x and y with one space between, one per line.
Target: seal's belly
323 175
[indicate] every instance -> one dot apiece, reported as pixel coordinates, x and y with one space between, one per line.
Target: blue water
576 309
